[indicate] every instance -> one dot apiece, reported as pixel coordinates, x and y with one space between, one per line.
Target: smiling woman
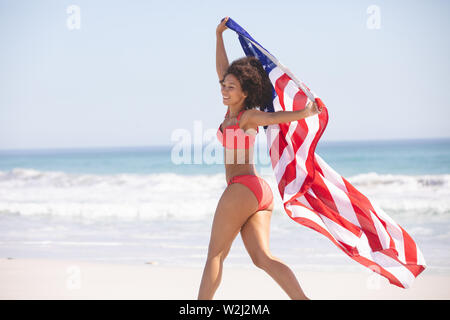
247 74
246 204
231 91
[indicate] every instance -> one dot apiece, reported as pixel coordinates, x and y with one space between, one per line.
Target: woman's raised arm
221 55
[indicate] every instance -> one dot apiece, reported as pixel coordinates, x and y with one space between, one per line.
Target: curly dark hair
254 81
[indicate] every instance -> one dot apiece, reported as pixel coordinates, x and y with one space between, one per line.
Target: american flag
315 195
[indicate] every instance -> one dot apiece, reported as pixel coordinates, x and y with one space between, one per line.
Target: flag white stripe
330 174
383 236
399 271
301 155
340 233
275 74
276 104
394 230
342 202
289 93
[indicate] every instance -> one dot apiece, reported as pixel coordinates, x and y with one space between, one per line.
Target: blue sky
138 70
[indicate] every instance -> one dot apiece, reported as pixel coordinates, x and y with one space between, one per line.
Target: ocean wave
420 198
373 179
146 196
185 197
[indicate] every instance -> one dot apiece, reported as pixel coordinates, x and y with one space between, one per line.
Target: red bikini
236 138
259 187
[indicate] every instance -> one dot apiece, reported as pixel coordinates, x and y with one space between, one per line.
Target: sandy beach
64 279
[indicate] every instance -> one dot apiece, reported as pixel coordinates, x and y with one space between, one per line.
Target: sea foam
180 197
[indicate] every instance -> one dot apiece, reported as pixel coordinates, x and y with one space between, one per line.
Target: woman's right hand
222 27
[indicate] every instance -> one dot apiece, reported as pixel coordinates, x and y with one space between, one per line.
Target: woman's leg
235 206
255 235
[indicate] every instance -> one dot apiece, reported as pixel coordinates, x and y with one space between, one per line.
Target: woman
246 204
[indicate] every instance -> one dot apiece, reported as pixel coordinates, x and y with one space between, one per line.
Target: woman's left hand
313 108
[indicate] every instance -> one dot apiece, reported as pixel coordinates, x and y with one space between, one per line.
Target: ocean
142 206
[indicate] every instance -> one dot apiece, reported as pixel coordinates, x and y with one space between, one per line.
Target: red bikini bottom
259 187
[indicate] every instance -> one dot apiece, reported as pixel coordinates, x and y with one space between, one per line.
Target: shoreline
70 279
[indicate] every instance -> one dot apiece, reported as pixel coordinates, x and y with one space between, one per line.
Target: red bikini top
234 137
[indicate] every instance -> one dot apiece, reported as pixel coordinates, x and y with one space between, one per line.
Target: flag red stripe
279 86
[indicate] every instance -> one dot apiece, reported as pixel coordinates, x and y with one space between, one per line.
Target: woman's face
232 93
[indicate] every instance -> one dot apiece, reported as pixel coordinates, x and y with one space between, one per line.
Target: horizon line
170 145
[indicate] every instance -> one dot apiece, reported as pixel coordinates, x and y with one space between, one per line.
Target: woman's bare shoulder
255 118
250 118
